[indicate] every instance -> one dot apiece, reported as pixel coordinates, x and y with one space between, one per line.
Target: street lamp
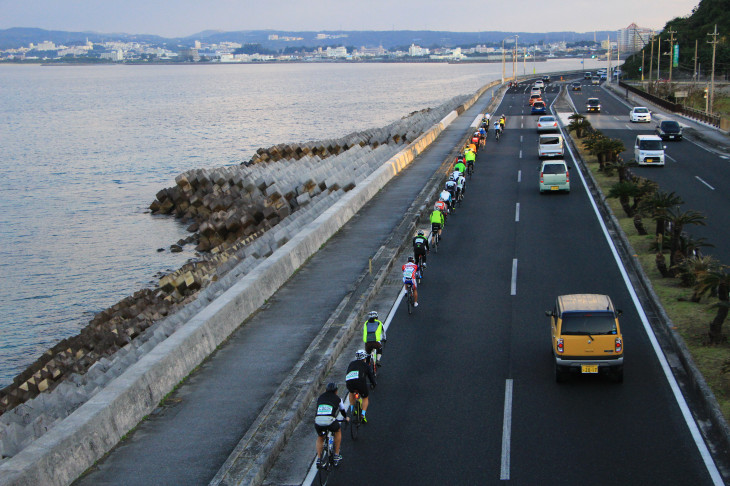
514 61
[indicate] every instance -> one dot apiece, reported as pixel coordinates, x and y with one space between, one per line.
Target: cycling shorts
360 386
411 281
322 430
370 345
435 227
470 162
419 250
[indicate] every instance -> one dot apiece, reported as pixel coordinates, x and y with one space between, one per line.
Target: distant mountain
19 37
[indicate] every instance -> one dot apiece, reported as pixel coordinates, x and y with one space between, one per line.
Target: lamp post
514 61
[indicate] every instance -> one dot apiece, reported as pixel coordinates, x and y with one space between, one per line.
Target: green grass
691 320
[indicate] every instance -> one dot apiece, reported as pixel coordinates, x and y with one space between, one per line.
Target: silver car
554 176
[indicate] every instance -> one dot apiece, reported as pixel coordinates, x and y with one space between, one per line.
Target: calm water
84 149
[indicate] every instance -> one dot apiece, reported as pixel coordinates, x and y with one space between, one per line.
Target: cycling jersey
437 217
420 245
441 206
460 182
373 331
358 372
460 167
482 131
450 185
445 196
410 270
473 148
329 409
497 126
470 157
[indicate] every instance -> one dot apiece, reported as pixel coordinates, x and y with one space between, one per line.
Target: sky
182 18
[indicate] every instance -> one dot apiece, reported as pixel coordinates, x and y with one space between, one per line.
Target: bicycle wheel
355 421
420 268
374 361
324 471
409 299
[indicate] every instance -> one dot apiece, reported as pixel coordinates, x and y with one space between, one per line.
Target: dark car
546 78
538 108
575 86
669 130
592 104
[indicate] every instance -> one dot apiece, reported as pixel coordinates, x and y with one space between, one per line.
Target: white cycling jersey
460 182
497 126
445 196
456 176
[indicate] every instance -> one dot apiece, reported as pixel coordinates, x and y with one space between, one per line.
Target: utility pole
642 67
671 52
714 42
658 57
694 74
514 61
609 73
502 61
651 60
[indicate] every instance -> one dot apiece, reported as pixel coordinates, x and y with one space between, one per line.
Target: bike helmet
373 314
420 233
411 260
332 387
361 354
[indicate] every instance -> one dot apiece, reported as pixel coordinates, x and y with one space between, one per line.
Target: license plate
671 136
589 368
554 188
651 161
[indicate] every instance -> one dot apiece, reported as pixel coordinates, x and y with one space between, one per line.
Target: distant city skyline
182 18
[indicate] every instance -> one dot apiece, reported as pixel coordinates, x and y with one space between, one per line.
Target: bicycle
409 297
374 361
356 418
421 270
469 170
497 134
328 458
434 243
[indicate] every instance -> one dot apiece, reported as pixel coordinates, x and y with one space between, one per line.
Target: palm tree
623 191
579 124
614 147
679 219
657 205
692 270
717 280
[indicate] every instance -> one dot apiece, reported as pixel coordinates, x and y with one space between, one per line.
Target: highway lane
439 412
699 176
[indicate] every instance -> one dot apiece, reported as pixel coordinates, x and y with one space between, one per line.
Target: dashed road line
506 431
517 213
514 277
704 182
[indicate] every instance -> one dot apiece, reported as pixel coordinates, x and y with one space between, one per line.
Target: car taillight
619 345
542 179
561 345
567 176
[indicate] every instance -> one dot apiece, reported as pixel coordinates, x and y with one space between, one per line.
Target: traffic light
640 68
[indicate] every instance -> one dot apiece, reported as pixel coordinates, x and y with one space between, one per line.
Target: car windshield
553 169
545 119
588 323
672 126
549 140
538 106
593 102
641 110
650 145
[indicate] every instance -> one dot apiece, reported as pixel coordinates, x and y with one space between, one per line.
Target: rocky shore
237 217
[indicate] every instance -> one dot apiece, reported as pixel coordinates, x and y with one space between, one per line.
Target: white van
649 150
550 145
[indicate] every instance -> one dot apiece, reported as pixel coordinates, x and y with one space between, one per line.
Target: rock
176 248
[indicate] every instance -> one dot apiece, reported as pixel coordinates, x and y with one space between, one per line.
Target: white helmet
361 354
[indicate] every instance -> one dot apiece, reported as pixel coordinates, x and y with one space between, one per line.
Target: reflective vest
372 331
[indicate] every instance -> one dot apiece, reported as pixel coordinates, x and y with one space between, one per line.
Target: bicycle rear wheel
355 421
409 299
324 472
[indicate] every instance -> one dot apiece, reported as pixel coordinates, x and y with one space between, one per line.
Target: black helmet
332 387
411 260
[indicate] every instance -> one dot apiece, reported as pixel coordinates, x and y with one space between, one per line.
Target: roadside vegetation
693 287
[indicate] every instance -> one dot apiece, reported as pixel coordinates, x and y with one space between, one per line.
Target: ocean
84 150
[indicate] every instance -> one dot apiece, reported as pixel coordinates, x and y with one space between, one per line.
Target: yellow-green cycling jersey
437 217
470 156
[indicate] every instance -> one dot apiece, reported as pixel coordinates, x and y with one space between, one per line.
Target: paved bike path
187 440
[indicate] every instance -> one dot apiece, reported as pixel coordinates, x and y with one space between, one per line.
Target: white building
115 56
633 38
336 52
418 51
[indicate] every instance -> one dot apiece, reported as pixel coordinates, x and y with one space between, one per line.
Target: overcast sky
181 18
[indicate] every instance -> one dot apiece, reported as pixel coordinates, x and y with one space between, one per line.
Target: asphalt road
699 176
467 394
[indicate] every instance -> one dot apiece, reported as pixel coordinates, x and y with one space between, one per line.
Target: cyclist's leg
320 440
338 439
415 294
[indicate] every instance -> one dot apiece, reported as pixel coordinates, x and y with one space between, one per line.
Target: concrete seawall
86 435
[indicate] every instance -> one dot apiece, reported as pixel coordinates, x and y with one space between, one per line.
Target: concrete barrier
73 445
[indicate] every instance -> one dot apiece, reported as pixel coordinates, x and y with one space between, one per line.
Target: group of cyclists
331 409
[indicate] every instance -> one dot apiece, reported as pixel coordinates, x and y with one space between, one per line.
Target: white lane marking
704 182
520 138
520 153
517 213
615 118
514 277
724 157
519 176
506 430
670 158
628 127
681 402
386 324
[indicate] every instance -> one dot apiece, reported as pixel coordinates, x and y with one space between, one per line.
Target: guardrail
700 115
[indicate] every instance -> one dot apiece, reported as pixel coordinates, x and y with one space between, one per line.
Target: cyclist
459 166
438 218
473 148
410 269
503 121
497 129
470 157
445 196
356 379
475 139
450 186
373 335
420 247
330 412
460 186
482 135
